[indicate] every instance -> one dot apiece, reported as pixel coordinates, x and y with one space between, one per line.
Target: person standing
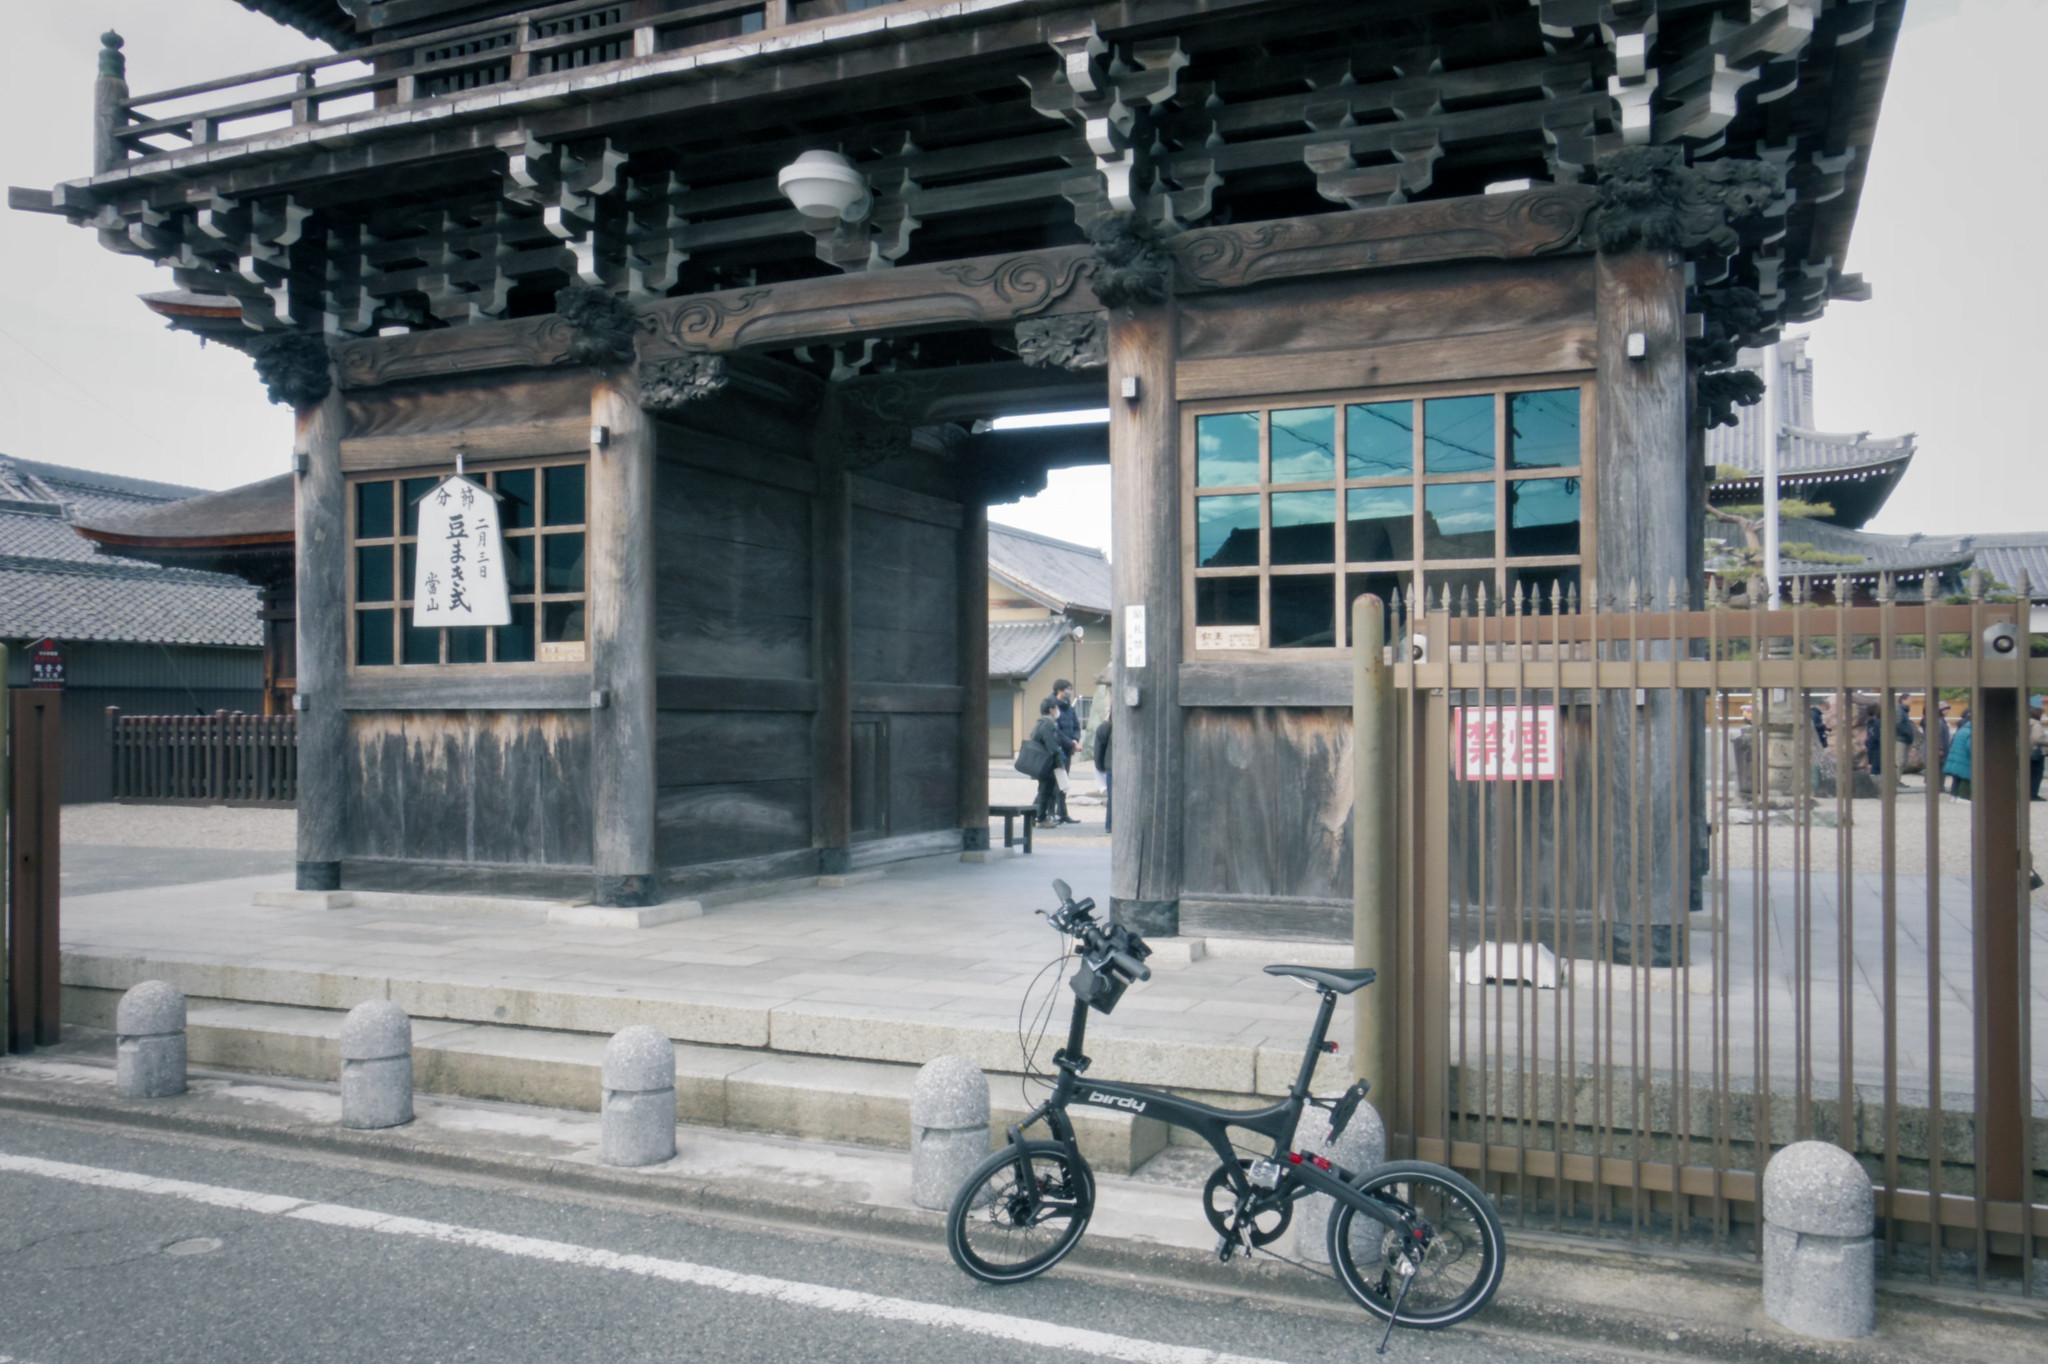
1047 734
1101 756
1068 722
1957 765
2037 749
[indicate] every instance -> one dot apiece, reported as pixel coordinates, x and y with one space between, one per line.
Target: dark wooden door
32 937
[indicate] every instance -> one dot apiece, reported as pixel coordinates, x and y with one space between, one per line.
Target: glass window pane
1464 585
1226 449
373 638
1543 429
1227 531
564 490
408 558
519 562
1379 523
1379 439
1304 611
1457 434
373 511
1457 521
515 641
1304 444
562 621
421 646
1537 583
1304 528
409 494
515 498
1226 601
466 643
564 563
373 573
1543 516
1390 588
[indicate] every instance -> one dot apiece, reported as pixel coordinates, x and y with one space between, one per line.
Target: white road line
1023 1330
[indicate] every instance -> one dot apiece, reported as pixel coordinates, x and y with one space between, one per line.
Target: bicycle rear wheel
1462 1254
1020 1212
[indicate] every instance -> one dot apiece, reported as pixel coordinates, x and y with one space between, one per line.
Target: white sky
1950 347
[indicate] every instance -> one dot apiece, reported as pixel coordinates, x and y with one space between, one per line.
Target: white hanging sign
460 575
1134 636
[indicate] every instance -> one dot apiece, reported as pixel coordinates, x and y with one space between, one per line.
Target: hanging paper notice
461 575
1506 743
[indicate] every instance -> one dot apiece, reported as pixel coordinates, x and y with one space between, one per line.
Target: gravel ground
1864 836
180 826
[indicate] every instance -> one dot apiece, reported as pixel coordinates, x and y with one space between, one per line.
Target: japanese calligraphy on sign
1507 743
460 577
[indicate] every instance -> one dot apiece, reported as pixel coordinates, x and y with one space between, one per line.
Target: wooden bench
1010 814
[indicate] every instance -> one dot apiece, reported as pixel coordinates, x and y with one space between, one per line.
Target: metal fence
223 757
1670 901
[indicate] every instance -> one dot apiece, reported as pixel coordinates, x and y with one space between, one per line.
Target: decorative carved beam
1001 291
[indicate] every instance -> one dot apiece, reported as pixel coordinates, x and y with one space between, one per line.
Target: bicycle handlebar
1119 947
1130 965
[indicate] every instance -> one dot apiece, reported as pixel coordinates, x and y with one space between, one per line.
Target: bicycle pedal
1225 1248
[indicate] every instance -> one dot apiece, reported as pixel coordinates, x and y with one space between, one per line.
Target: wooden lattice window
1296 507
541 508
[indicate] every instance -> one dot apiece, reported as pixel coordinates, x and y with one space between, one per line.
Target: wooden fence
205 759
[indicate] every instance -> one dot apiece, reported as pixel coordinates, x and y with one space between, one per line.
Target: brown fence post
36 769
1374 778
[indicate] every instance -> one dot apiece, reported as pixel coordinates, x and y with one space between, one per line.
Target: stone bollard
948 1129
1363 1145
376 1066
639 1122
1820 1261
149 1042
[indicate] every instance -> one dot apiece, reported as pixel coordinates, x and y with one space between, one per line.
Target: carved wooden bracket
666 385
1068 341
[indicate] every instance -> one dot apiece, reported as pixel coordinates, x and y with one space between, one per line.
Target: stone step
814 1098
1228 1074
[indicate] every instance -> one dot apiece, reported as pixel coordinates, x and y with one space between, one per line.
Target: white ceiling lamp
825 185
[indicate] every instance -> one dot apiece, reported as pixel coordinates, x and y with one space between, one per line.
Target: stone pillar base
1150 918
623 892
319 876
835 861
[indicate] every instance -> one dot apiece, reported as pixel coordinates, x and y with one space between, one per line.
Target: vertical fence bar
1931 652
1561 843
1641 779
1760 905
1888 710
1845 877
2022 944
1681 864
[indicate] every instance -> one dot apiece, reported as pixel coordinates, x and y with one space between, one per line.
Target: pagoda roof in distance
1850 471
327 20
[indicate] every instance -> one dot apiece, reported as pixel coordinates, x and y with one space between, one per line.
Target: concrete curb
1556 1287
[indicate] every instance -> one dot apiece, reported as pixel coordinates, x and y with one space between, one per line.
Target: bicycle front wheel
1462 1252
1021 1212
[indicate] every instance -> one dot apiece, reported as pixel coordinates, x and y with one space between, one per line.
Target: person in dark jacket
1047 732
1873 737
1102 766
1068 721
1957 764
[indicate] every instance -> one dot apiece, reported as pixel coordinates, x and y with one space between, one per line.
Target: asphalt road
117 1245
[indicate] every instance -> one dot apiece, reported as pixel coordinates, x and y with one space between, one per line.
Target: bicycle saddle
1327 978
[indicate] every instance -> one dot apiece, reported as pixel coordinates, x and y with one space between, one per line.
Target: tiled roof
1895 554
53 583
1063 577
1807 451
1017 649
2005 557
326 20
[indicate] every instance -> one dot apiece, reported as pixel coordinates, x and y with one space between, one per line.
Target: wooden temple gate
1666 902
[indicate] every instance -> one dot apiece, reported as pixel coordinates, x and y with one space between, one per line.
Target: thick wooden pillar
320 522
1144 463
1643 525
832 649
973 630
621 615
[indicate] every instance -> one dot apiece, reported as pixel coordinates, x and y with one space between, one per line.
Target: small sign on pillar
46 665
460 578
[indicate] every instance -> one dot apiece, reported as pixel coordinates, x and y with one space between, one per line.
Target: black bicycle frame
1307 1174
